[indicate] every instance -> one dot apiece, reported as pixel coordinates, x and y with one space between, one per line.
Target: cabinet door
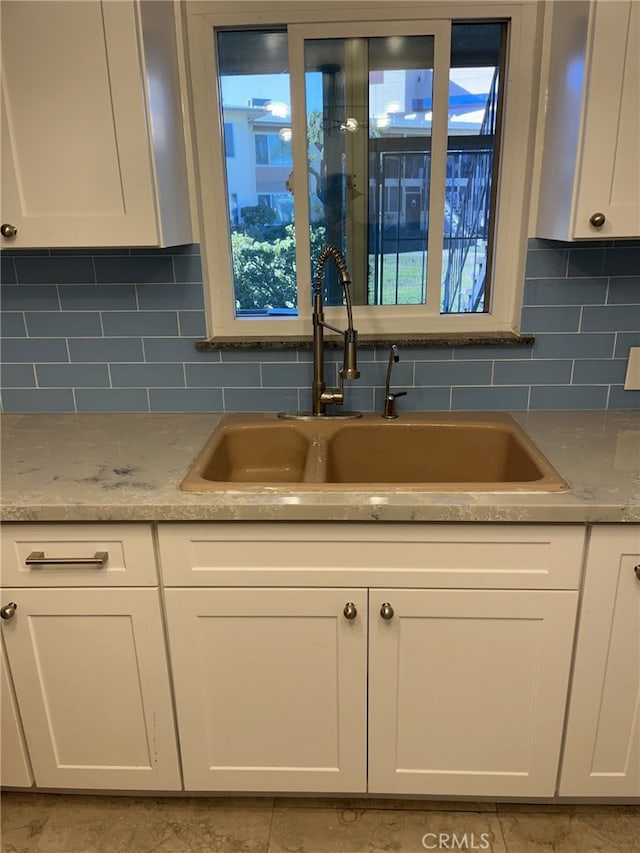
608 180
90 675
15 771
602 751
467 691
270 688
76 168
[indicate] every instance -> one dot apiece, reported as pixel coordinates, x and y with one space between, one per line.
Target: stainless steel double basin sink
449 451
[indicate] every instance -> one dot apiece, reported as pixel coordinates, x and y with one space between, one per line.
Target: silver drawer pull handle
37 558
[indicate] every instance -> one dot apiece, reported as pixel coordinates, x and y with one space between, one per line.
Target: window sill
369 341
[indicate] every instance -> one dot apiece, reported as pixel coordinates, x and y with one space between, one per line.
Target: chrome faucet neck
321 396
389 409
333 252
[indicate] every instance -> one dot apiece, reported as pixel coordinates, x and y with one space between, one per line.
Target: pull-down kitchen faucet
321 395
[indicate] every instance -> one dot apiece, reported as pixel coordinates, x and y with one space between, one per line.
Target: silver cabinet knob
597 219
636 569
8 231
9 610
350 610
386 611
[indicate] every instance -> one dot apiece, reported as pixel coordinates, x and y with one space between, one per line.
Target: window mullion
222 314
438 165
302 216
357 168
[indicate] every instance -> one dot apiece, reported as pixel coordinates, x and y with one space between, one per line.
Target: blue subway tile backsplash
118 324
610 318
54 270
147 375
571 397
72 375
574 346
106 350
39 400
555 371
63 324
623 260
493 398
556 318
32 350
121 270
586 262
115 330
18 376
111 400
562 291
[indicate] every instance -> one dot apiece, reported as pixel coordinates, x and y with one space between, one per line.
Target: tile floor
60 823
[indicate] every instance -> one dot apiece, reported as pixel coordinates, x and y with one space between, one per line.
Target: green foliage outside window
265 272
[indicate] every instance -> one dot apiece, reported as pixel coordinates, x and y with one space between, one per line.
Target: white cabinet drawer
507 556
129 560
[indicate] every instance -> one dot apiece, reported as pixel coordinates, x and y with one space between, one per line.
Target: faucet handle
390 404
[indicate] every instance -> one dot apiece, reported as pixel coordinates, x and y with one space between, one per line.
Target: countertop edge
128 468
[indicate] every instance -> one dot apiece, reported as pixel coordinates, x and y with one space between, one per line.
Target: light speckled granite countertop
120 467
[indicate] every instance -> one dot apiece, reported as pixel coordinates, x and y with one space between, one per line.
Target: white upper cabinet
93 143
590 171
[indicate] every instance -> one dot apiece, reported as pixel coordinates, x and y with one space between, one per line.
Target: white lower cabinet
90 675
602 751
467 690
323 658
393 690
82 626
270 688
15 771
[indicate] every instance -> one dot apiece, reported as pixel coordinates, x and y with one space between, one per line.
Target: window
229 148
398 141
273 149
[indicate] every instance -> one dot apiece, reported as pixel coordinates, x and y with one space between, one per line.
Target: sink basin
430 453
448 451
252 450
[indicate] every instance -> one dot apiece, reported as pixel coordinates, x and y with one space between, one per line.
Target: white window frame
515 165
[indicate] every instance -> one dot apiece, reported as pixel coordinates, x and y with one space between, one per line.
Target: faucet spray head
350 365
